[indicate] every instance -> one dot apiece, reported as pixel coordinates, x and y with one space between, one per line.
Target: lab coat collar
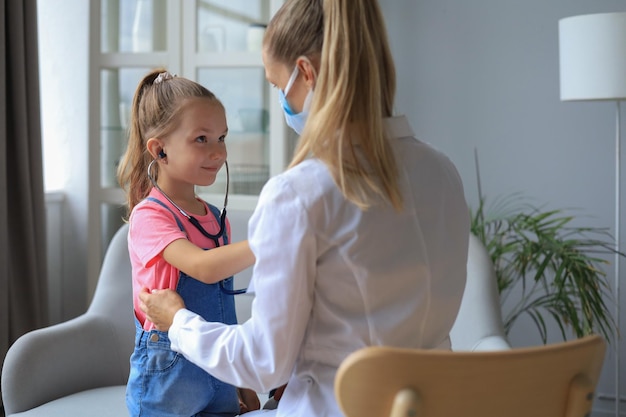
398 127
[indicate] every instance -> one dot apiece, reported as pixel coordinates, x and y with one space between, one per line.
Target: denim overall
162 382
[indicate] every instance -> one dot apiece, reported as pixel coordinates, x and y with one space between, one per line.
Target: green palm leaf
554 268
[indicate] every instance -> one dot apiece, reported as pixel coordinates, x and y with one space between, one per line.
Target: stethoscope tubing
197 224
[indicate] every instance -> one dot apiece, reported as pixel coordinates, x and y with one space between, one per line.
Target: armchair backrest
478 326
113 298
113 295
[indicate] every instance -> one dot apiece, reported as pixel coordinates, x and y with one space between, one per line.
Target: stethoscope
214 237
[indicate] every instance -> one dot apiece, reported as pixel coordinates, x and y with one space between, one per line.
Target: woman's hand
279 392
160 306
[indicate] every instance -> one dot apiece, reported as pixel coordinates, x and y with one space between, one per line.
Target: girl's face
196 149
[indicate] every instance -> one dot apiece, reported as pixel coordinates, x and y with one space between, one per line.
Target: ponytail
154 113
354 92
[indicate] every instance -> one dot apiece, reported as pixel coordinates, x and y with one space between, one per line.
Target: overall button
154 337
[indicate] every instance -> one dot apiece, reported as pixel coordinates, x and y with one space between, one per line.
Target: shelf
133 59
115 196
228 59
235 202
201 59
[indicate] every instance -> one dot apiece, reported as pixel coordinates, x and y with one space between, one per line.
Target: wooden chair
545 381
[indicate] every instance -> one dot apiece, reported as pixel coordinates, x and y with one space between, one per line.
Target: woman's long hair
354 92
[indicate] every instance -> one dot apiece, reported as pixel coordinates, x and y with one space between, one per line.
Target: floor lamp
592 55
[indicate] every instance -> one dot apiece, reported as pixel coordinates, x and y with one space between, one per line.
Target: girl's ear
154 147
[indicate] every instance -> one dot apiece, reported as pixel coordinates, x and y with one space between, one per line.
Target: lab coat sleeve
260 353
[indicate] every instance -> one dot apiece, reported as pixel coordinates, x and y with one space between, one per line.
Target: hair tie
164 76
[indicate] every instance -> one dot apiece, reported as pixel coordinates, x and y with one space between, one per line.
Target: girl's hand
160 306
248 400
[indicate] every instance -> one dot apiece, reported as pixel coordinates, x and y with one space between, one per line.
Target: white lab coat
330 279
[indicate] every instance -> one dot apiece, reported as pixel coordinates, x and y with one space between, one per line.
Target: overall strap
178 222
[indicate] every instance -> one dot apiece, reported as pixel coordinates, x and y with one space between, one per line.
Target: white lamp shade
592 54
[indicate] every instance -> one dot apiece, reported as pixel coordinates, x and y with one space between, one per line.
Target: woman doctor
362 241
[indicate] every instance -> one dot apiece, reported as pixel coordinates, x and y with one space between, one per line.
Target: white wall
484 75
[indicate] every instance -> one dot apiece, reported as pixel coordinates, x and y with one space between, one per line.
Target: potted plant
555 269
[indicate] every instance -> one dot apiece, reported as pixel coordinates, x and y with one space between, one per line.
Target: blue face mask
296 121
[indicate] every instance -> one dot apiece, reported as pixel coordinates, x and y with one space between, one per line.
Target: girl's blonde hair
354 91
155 111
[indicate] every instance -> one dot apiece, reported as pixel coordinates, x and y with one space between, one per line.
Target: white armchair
79 367
478 326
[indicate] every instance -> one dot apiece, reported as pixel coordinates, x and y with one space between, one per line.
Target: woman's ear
307 68
155 148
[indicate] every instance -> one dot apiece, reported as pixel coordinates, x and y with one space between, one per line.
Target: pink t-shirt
152 229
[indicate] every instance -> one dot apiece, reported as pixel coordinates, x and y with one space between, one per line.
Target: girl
372 223
177 141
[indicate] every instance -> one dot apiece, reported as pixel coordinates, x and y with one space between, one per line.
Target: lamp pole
617 256
592 58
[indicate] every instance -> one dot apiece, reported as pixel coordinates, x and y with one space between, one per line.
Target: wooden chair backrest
543 381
